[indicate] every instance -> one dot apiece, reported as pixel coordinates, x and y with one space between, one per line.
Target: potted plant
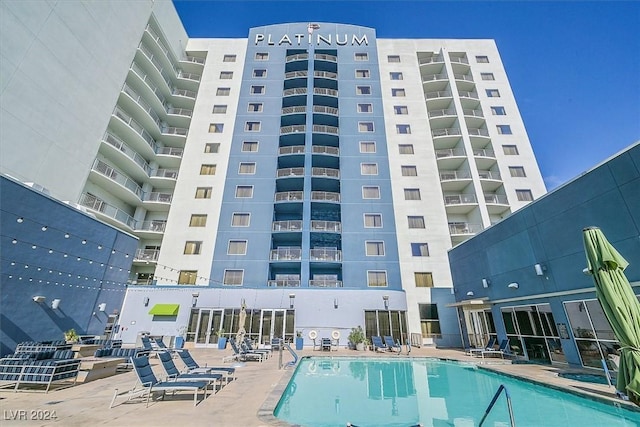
71 336
357 338
299 340
222 340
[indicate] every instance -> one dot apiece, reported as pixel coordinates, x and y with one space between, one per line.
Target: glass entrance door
209 322
276 324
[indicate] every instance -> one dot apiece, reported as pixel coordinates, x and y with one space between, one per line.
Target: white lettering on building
320 40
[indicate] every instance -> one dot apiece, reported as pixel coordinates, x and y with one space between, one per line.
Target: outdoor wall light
39 299
146 301
513 285
470 294
335 303
102 306
540 269
486 283
292 297
385 299
55 303
194 299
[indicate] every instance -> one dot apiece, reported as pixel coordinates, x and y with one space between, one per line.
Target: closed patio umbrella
620 305
241 321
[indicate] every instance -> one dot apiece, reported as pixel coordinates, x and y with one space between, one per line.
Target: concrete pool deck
245 401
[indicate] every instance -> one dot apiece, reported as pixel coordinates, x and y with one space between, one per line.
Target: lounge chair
377 343
161 346
194 368
503 350
174 374
244 355
489 346
151 384
391 344
249 346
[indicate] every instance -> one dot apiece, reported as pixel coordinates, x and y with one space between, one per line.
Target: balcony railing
284 283
454 175
494 175
438 94
170 130
300 109
148 81
465 77
450 152
189 76
328 172
295 91
285 172
116 142
117 176
142 103
161 45
433 77
460 199
157 64
193 59
180 112
325 129
431 60
325 254
478 132
292 149
325 110
286 254
484 153
135 126
464 228
325 57
184 93
155 226
496 199
325 91
459 59
297 57
325 149
164 173
325 74
325 196
473 113
289 196
446 132
291 225
170 151
158 197
467 94
326 226
325 283
148 255
441 113
92 202
285 130
295 74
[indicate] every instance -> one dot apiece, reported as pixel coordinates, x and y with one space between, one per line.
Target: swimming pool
333 391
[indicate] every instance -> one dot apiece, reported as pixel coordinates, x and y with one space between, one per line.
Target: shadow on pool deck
247 401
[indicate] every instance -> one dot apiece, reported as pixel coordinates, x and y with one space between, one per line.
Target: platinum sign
298 39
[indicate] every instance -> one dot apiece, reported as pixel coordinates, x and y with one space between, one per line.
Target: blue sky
574 66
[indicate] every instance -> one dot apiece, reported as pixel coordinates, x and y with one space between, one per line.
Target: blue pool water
404 392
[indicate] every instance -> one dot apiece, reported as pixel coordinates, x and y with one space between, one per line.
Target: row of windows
358 56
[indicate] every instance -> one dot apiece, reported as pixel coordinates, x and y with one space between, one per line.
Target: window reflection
532 333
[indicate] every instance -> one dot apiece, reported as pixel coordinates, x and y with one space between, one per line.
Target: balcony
325 255
135 102
464 228
325 173
333 130
287 130
298 109
174 134
184 93
156 64
292 149
125 188
290 172
490 180
325 75
118 146
431 60
127 125
183 112
325 196
297 57
106 212
455 180
191 80
150 229
157 201
146 256
321 109
451 158
291 225
491 175
438 100
325 57
324 149
438 133
192 63
286 254
435 82
296 75
284 283
460 203
289 196
326 226
497 204
171 174
329 283
325 92
144 77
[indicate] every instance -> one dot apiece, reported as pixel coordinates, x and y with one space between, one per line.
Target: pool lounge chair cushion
391 344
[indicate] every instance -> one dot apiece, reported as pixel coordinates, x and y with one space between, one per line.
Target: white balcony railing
284 283
326 226
460 199
454 175
291 225
289 196
450 152
325 196
325 254
158 197
285 172
92 202
495 199
328 283
292 149
285 130
325 129
325 149
492 175
446 132
116 176
286 254
464 228
326 172
155 226
147 255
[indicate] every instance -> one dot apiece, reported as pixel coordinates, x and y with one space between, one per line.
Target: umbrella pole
607 373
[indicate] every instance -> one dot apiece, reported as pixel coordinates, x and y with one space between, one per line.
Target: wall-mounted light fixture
146 301
513 285
486 283
470 293
39 299
242 302
335 303
540 269
194 299
292 297
385 299
55 303
102 306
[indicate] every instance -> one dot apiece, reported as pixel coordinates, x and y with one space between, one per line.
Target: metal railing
446 132
433 77
291 225
467 94
116 142
325 74
289 196
295 91
430 60
459 59
135 126
115 175
286 254
512 421
454 175
297 57
294 110
180 112
484 153
464 228
324 254
332 283
473 113
478 132
192 59
325 91
164 173
170 151
494 175
325 110
184 93
450 152
459 199
158 197
291 149
324 149
282 173
171 130
292 129
331 226
438 94
92 202
328 172
283 283
326 129
145 78
156 226
325 57
147 255
496 199
138 99
295 74
325 196
441 113
465 77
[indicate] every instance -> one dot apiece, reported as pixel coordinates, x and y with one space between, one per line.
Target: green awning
165 310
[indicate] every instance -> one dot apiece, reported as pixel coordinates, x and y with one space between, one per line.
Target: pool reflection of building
523 278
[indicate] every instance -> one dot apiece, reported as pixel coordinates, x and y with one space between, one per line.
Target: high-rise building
311 172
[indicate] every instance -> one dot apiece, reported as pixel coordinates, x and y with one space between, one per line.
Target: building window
498 111
517 171
367 147
244 191
416 221
394 75
259 73
504 129
412 194
216 127
198 220
207 169
393 58
363 74
203 192
400 110
397 92
250 146
423 280
240 219
369 168
252 126
420 249
226 75
524 195
262 56
365 108
237 247
405 148
363 90
365 126
192 248
372 220
229 58
255 107
510 150
403 129
223 91
370 192
211 147
374 248
429 321
257 90
377 278
219 109
361 56
187 277
409 171
247 168
482 59
493 93
233 277
487 76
